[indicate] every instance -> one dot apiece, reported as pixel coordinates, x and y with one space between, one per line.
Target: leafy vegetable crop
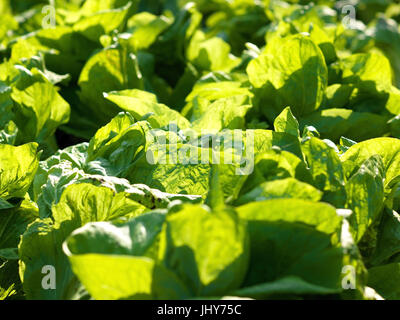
202 149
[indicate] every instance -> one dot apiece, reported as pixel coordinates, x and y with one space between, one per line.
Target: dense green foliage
114 153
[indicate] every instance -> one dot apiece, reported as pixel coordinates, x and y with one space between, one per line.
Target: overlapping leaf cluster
313 101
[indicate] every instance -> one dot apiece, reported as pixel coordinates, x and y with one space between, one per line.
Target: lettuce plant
199 150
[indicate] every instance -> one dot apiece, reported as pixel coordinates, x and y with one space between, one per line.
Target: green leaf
334 123
285 188
291 237
64 50
276 165
266 140
384 280
227 113
215 198
169 50
71 166
290 72
326 169
104 22
9 282
134 102
337 96
108 70
205 92
130 250
155 281
83 203
325 42
141 193
387 148
354 271
121 143
384 243
38 108
146 27
4 294
181 163
18 167
321 216
208 250
137 237
186 178
387 38
90 7
55 174
346 144
286 286
13 224
365 195
9 134
211 54
367 71
41 245
286 122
